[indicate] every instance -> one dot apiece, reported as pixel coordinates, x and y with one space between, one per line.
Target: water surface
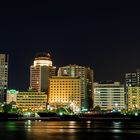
69 130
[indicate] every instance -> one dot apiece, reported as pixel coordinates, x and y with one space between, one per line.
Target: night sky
104 35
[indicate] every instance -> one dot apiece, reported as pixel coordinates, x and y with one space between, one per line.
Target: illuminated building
65 92
132 79
31 101
109 96
3 76
133 97
11 96
40 72
86 76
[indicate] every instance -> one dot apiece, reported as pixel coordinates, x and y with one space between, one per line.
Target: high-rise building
132 79
4 58
40 72
109 96
65 91
86 75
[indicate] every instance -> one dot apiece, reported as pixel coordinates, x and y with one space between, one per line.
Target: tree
62 111
7 108
124 111
15 110
97 108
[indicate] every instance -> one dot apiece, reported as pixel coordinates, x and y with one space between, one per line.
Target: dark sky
104 35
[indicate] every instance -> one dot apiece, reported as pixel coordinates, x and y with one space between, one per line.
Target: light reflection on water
28 125
69 130
11 126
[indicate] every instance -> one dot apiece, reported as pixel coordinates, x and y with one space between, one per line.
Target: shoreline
71 119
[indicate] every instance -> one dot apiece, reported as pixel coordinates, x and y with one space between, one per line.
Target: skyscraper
40 72
3 76
86 75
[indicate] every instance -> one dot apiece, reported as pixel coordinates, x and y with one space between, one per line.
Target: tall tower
3 76
40 72
86 75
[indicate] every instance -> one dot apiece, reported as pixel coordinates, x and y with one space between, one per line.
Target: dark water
69 130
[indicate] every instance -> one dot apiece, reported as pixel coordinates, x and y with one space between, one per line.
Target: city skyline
100 35
122 79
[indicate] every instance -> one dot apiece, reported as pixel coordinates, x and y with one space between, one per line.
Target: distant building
86 76
65 92
31 101
11 96
133 98
4 60
40 72
132 79
109 96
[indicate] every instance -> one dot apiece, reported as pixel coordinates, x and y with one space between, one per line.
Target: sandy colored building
34 101
133 97
65 91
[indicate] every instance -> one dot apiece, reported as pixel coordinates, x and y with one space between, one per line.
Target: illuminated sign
12 91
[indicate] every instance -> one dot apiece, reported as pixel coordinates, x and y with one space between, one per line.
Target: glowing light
43 63
60 113
136 114
12 91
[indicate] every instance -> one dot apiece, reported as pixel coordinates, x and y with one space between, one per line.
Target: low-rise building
31 101
133 98
109 96
11 96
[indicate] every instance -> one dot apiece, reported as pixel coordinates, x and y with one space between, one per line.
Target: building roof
43 56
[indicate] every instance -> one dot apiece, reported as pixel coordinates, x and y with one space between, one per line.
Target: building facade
31 101
11 96
65 92
132 79
4 58
133 98
86 76
109 96
40 72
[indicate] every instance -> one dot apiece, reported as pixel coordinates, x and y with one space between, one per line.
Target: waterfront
70 130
